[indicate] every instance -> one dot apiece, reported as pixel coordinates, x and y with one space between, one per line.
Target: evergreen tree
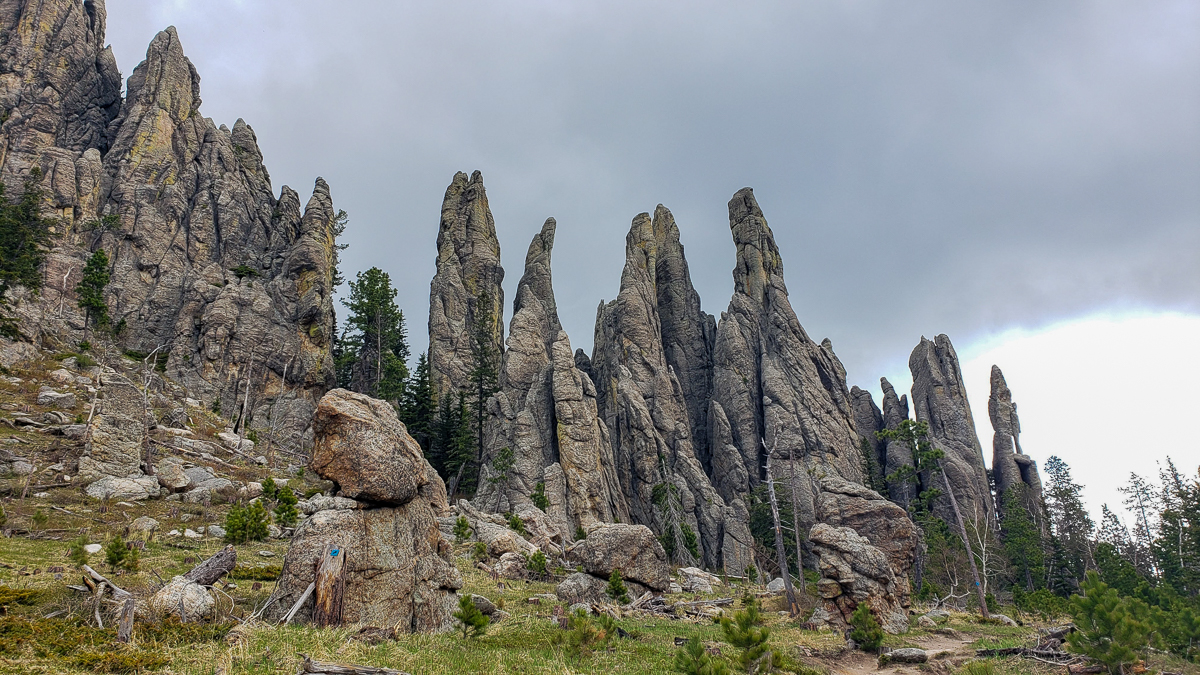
24 239
1070 523
693 659
866 629
418 408
90 290
337 227
1108 629
374 351
1142 500
485 367
286 513
1176 548
917 486
474 623
744 632
1022 540
452 445
616 588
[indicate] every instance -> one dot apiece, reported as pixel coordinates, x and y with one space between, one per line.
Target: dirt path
860 663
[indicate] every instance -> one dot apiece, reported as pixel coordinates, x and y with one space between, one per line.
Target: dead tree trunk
793 606
208 572
330 587
983 608
796 527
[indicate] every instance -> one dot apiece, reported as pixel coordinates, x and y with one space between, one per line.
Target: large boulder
362 446
854 572
398 570
580 587
118 431
183 599
134 488
882 523
632 549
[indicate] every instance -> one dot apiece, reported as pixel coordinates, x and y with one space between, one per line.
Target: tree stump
330 585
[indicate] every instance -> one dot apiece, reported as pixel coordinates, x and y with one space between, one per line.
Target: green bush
516 524
119 555
582 635
866 630
692 659
744 632
616 588
539 497
480 553
270 489
462 529
474 623
255 573
40 519
76 552
580 535
537 565
1109 630
246 523
285 512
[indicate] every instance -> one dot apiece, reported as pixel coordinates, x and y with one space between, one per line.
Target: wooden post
786 573
330 586
983 608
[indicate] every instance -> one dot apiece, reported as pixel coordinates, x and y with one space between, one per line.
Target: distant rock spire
1010 466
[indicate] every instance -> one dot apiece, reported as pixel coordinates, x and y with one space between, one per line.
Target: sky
1022 176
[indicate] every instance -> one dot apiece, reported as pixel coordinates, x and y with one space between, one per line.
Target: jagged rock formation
940 398
896 454
208 267
645 405
771 382
853 572
1011 467
398 570
468 270
546 414
868 420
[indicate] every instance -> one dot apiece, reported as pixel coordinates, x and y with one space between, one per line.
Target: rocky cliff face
896 454
468 273
208 267
771 383
1011 467
940 398
546 414
647 408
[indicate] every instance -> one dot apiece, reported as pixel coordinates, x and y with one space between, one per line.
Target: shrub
516 524
537 564
744 633
285 512
480 553
474 623
255 573
866 629
692 659
270 489
39 519
580 535
462 528
616 588
1108 629
752 573
118 555
246 523
76 552
539 497
583 635
85 361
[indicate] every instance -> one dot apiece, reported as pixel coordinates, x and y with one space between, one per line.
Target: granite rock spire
1011 467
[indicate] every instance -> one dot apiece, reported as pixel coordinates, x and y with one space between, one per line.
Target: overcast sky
977 169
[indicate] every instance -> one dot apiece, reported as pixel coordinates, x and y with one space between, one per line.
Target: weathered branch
208 572
323 668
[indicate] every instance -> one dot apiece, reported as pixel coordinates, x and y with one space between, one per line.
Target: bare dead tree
983 608
785 572
796 525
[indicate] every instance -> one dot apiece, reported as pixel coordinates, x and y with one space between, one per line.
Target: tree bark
793 606
125 627
208 572
324 668
330 587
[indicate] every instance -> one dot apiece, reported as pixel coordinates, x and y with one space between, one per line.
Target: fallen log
287 618
1027 652
99 578
324 668
208 572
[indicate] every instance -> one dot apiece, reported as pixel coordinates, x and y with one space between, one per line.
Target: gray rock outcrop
546 415
468 271
896 454
940 399
632 549
208 266
1011 467
646 407
868 420
364 448
772 384
398 570
854 572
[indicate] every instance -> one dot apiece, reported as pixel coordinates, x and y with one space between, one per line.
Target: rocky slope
208 266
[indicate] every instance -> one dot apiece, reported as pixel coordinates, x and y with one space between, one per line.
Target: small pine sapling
539 497
77 552
744 633
516 524
462 529
1109 630
286 513
270 489
616 588
583 635
537 565
133 559
693 659
866 632
473 621
115 552
480 553
40 519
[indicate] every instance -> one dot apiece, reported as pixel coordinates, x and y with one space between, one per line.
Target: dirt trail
860 663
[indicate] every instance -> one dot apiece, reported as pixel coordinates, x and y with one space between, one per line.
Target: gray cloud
927 167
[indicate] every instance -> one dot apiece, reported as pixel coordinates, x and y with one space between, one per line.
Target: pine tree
1142 500
920 491
1108 630
692 659
1022 540
473 621
452 448
24 240
866 629
616 588
418 407
1070 523
744 632
485 367
374 349
90 290
285 512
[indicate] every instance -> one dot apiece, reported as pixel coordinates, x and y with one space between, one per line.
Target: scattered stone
926 622
511 566
195 600
49 397
273 531
581 607
905 655
62 376
696 580
776 585
92 549
483 604
1004 619
189 533
267 554
216 531
144 525
173 533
